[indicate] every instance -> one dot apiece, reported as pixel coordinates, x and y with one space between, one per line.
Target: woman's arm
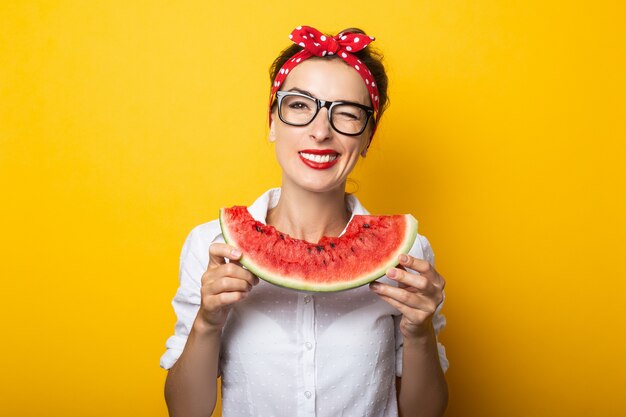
191 384
422 390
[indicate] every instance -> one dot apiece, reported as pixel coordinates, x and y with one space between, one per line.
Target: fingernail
236 253
404 259
374 285
392 273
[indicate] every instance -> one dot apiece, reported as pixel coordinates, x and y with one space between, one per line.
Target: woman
371 351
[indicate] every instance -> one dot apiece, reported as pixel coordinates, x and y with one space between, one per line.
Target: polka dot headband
315 43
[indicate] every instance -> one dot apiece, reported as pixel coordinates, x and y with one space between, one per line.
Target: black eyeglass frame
323 104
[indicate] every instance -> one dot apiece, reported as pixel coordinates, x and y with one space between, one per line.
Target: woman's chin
318 185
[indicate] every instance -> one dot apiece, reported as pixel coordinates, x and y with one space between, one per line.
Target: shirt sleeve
193 262
422 250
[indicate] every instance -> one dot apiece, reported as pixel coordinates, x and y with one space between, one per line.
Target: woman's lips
319 159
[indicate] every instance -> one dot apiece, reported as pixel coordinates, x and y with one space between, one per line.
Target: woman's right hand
223 284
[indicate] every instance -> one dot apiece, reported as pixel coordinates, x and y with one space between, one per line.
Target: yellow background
123 124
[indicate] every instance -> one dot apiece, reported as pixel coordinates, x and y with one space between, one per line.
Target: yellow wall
123 124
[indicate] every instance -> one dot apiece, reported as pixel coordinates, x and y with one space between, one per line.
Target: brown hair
371 57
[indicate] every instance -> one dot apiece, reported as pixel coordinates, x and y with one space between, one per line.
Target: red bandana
315 43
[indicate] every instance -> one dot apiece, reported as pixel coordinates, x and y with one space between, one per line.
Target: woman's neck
309 215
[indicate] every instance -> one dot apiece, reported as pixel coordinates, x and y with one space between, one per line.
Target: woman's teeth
319 158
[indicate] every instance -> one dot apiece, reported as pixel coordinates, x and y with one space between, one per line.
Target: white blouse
288 353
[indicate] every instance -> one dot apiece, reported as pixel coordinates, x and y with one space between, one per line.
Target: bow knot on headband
315 43
319 44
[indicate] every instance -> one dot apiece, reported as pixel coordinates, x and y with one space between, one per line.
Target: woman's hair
371 57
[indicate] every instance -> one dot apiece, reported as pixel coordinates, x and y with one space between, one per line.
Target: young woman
370 351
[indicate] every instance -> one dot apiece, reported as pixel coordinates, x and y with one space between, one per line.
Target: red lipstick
320 151
319 165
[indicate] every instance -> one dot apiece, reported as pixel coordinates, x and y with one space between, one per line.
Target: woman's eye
299 105
350 115
347 115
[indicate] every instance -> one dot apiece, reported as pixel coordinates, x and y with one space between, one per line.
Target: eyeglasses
347 118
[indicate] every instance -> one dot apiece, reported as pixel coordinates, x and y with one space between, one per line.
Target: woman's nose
320 126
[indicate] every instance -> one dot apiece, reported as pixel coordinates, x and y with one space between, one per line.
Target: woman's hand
417 296
223 284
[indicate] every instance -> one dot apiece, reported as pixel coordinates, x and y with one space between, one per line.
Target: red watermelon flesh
369 246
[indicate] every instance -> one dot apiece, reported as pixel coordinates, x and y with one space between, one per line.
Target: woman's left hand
417 295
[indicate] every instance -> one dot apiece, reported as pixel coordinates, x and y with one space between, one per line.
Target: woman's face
299 149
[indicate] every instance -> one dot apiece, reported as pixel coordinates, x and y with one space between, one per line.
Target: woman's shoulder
201 236
206 230
421 249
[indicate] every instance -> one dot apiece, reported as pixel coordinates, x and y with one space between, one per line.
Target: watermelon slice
367 249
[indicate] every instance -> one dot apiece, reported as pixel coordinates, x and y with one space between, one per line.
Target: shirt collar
270 198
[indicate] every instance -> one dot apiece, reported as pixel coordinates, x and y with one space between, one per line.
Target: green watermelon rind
376 272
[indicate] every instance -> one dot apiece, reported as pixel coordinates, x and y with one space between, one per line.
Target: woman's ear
367 146
272 135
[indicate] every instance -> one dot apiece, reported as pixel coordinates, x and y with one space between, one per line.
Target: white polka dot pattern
344 44
286 353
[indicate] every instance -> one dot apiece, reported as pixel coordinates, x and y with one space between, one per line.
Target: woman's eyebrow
297 90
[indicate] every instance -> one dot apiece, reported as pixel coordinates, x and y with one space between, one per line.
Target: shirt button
307 394
307 299
308 345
